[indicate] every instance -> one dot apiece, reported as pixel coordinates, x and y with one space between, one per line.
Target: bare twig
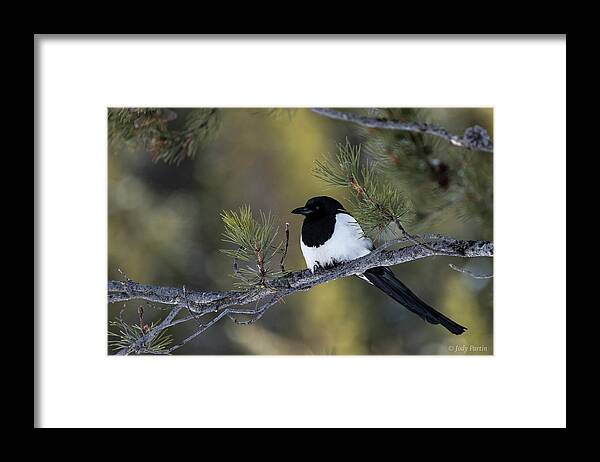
141 317
202 303
285 249
470 273
260 263
236 269
257 312
201 329
410 237
475 138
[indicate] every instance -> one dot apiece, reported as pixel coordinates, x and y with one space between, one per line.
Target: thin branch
412 238
201 329
470 273
285 249
144 340
475 138
236 269
258 312
201 303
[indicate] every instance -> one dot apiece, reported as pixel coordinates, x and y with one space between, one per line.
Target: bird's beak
302 211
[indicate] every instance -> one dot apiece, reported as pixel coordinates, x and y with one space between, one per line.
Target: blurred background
164 227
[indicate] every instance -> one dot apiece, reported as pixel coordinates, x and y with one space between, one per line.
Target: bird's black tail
384 279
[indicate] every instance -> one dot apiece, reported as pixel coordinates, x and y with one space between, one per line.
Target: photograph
300 231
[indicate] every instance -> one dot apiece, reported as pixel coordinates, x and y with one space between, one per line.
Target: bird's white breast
347 242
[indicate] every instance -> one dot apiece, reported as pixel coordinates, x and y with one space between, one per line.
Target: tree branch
201 303
470 273
475 138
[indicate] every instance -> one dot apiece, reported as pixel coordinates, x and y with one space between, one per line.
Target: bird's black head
320 206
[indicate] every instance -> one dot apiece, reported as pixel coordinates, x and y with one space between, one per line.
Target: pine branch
373 202
149 128
439 180
255 242
229 303
475 138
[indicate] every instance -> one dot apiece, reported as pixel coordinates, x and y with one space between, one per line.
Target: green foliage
256 243
124 335
375 203
149 129
437 177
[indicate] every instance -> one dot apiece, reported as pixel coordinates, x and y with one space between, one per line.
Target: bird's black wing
383 278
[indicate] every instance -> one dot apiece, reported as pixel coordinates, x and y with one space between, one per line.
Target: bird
331 235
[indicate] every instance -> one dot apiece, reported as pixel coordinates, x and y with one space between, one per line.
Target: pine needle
255 242
375 203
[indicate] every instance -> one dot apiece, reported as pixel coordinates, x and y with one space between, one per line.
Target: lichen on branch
217 305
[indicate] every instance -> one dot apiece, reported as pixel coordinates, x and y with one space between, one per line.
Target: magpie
330 235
